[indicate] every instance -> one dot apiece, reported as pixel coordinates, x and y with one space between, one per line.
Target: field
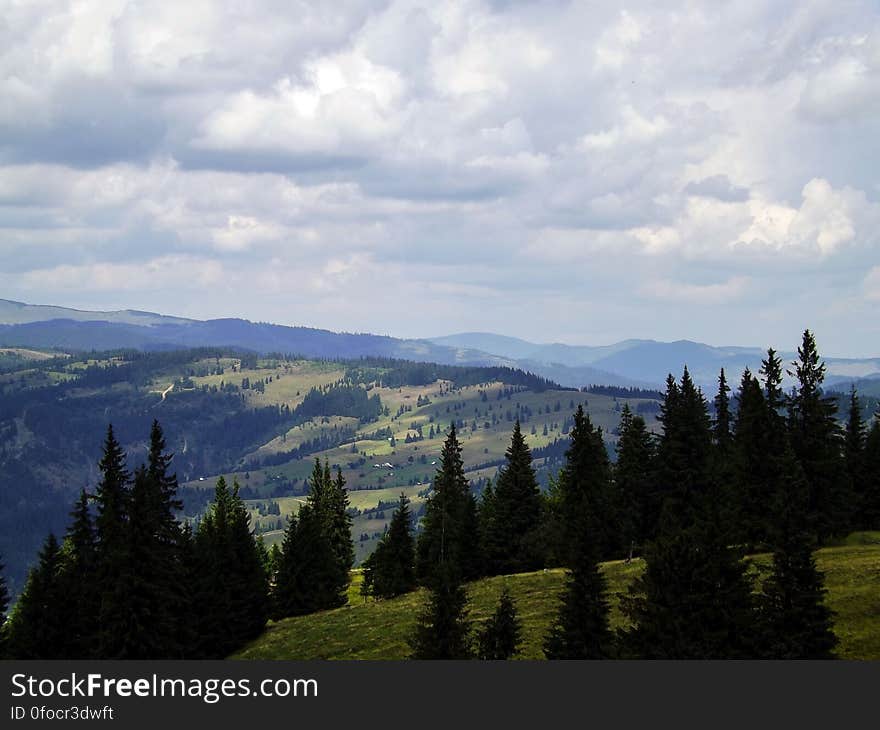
379 629
399 450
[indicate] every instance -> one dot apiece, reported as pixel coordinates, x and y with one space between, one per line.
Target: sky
579 172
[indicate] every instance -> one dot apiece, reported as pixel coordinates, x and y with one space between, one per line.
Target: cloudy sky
575 172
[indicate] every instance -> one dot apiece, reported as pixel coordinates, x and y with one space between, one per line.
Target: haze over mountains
642 363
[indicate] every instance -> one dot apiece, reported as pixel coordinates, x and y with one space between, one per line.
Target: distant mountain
20 313
645 361
512 347
639 363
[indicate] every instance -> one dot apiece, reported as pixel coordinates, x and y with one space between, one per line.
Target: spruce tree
721 428
854 452
771 374
307 575
510 534
390 569
693 600
869 488
443 625
231 591
815 438
633 481
212 556
450 529
249 590
502 633
338 525
581 629
114 573
754 461
317 552
38 622
77 579
795 621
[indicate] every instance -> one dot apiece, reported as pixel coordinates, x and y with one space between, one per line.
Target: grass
379 629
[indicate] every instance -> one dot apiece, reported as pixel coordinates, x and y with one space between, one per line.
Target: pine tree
633 481
722 424
754 461
581 629
77 576
511 545
771 373
114 573
231 592
443 626
694 599
684 453
450 530
815 438
869 488
212 556
854 450
317 552
390 569
38 622
338 523
501 636
796 622
249 590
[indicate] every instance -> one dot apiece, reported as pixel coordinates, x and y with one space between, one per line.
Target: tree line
128 581
761 470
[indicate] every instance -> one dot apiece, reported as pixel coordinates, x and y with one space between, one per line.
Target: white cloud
719 293
456 150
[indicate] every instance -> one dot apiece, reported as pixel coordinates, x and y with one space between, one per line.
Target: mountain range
631 363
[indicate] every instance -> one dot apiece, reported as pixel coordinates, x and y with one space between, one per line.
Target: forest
756 470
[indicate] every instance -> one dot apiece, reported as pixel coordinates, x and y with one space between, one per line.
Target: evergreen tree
317 552
771 373
633 481
500 637
684 453
694 599
38 622
580 630
869 488
754 460
390 569
796 622
249 590
77 581
722 423
231 592
450 530
443 626
854 449
190 581
114 574
510 534
307 573
338 523
815 437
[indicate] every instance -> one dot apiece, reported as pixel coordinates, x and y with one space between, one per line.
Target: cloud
724 292
512 154
719 187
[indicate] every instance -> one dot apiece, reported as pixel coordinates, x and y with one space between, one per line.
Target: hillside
379 629
262 421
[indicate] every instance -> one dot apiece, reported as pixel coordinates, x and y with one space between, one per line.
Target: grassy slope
379 629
